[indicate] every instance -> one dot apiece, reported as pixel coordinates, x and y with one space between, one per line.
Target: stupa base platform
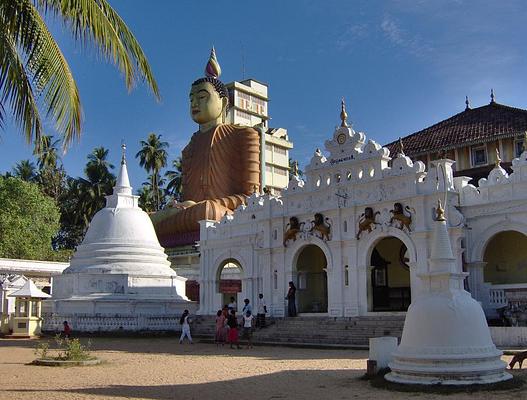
441 369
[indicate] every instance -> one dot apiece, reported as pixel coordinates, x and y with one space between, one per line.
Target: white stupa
119 277
446 339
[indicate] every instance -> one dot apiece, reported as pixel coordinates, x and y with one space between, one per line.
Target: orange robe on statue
221 167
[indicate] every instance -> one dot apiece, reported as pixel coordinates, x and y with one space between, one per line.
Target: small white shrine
27 320
119 278
446 339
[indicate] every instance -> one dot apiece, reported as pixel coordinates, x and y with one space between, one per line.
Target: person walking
291 300
185 327
261 311
233 330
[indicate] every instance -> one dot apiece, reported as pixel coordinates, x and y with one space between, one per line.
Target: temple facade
355 235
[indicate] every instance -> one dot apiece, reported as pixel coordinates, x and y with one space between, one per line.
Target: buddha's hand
185 204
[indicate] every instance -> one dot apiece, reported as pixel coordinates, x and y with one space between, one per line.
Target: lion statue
321 225
367 221
292 229
403 220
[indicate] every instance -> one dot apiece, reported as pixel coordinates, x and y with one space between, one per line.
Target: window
280 171
518 147
268 147
280 150
268 168
346 276
479 155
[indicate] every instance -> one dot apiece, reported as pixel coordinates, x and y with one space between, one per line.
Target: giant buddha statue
220 165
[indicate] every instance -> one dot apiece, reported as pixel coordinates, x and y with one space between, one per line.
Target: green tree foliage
25 170
83 197
34 73
28 220
153 157
175 180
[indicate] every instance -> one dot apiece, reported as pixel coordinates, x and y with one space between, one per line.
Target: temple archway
229 281
506 258
389 283
311 279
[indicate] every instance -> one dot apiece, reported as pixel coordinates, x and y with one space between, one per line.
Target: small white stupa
119 277
446 339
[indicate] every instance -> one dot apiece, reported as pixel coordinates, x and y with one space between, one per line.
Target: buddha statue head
209 97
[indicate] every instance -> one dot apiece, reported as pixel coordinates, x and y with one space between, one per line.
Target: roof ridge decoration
467 104
492 99
343 114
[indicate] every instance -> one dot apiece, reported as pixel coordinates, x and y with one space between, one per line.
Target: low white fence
111 323
509 336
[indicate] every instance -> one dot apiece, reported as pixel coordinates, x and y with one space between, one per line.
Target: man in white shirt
262 310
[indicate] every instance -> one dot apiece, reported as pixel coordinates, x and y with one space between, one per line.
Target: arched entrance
390 276
229 280
312 281
506 258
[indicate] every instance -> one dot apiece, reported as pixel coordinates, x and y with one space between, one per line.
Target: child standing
220 328
248 328
233 329
185 327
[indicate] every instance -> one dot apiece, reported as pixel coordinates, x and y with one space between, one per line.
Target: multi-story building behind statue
249 106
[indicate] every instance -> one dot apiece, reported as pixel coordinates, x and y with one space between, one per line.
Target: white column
476 280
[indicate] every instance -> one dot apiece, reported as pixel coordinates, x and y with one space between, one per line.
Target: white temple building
355 234
119 278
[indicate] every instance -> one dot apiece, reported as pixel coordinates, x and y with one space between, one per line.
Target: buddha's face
205 103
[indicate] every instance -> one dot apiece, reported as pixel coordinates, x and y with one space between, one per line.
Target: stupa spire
122 185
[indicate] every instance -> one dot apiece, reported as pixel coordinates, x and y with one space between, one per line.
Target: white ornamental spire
123 183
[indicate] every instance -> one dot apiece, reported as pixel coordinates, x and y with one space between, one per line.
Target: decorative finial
213 69
343 114
440 212
401 147
123 149
492 99
498 158
467 103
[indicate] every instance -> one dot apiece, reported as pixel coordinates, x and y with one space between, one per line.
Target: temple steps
321 330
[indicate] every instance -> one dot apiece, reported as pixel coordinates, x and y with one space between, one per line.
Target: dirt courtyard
160 368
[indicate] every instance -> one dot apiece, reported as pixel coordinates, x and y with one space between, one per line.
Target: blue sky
401 66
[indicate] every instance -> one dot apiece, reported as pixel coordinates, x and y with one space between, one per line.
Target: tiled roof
471 126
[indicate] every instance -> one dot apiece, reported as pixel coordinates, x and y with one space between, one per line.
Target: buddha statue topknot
220 165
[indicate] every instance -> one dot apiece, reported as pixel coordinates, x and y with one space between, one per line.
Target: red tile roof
478 125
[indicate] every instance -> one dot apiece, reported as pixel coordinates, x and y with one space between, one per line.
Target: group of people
227 324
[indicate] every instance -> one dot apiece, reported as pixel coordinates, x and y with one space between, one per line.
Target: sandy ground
160 368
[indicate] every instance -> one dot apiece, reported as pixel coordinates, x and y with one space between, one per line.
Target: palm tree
98 164
34 71
99 183
175 179
146 198
25 170
47 152
153 157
